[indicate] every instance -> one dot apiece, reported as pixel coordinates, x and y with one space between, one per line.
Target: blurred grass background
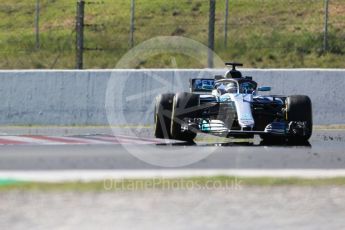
126 185
262 33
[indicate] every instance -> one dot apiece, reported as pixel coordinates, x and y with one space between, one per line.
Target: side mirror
264 89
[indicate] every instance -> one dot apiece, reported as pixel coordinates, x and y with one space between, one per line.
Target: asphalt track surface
326 150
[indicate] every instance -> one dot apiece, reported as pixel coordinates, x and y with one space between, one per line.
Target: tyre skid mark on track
75 140
120 137
114 140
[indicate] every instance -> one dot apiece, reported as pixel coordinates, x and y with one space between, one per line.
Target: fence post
80 34
325 35
132 26
211 26
226 23
37 24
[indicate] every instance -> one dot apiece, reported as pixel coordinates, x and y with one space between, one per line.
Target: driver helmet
221 88
231 87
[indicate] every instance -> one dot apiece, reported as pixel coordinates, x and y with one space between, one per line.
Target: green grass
177 183
262 33
7 182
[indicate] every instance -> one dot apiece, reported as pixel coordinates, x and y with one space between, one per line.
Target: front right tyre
185 105
162 115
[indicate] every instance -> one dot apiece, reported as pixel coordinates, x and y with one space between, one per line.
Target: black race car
231 106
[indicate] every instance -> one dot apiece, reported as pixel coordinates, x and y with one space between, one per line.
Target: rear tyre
162 115
185 105
299 108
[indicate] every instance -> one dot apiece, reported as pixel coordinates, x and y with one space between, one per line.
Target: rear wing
201 85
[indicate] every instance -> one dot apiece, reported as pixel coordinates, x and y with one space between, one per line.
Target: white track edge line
98 175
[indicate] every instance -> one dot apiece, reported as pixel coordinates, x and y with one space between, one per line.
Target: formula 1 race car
230 106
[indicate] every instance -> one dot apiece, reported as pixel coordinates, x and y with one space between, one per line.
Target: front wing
217 127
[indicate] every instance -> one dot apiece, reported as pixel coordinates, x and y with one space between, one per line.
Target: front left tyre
299 109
